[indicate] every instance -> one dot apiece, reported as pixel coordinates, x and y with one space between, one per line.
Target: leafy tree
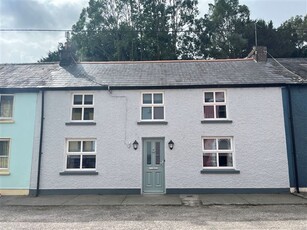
293 37
172 29
51 57
222 30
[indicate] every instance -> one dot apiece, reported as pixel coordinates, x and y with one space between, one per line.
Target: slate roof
297 66
143 74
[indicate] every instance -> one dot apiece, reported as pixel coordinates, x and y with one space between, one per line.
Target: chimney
66 52
260 53
66 56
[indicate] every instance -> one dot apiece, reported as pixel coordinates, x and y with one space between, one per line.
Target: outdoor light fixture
135 145
171 144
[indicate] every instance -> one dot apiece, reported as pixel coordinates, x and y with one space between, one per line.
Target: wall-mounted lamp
135 145
171 144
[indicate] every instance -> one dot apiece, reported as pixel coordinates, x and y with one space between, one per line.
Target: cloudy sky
25 47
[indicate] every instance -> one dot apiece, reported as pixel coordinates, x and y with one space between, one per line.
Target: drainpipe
293 140
40 143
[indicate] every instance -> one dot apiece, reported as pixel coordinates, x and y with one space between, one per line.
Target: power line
34 30
171 31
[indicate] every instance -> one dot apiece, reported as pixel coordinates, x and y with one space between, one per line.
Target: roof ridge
166 61
33 63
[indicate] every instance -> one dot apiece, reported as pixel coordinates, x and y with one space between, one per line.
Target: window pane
146 113
148 153
77 99
210 144
88 99
147 98
224 144
158 160
88 146
225 160
158 112
76 114
221 111
208 111
73 162
74 146
4 148
158 98
4 162
219 97
88 114
6 106
209 97
88 161
209 160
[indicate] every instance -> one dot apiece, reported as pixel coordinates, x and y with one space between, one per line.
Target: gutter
40 143
296 177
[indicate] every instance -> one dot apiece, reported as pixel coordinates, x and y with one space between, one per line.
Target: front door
153 166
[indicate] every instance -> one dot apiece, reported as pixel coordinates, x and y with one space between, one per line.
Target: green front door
153 166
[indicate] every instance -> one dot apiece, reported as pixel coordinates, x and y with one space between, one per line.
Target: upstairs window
217 152
4 153
152 106
83 107
215 105
6 106
81 155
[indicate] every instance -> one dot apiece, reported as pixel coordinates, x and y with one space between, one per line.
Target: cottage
154 127
295 109
17 129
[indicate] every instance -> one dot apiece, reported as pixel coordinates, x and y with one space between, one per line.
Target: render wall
20 131
257 129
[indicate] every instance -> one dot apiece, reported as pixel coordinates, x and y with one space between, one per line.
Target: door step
190 200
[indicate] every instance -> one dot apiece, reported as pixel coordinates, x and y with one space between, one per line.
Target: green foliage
51 57
172 29
223 29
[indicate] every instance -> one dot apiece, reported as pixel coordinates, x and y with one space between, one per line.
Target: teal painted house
17 130
295 110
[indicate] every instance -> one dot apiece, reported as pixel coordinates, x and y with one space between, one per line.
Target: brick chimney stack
260 53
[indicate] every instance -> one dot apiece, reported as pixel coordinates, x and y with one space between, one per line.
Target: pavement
156 200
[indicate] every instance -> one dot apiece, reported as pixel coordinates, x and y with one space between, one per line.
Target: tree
110 30
53 56
292 37
136 29
222 30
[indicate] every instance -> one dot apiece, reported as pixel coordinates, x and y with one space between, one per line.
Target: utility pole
256 42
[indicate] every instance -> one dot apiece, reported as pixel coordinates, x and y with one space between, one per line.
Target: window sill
68 173
6 121
4 173
152 122
220 171
215 121
72 123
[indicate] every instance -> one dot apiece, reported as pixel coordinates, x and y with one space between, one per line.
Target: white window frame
81 153
214 104
8 156
217 151
152 105
8 118
82 106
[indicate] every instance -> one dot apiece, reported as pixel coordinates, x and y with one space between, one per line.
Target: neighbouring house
295 108
17 128
154 127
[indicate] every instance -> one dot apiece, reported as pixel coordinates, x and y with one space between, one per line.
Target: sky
29 47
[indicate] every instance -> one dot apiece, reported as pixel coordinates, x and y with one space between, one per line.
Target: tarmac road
154 217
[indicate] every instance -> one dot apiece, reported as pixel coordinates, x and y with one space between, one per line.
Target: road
154 217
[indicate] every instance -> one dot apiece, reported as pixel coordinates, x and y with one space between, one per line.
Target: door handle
162 162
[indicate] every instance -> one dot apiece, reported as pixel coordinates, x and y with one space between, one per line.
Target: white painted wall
257 129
